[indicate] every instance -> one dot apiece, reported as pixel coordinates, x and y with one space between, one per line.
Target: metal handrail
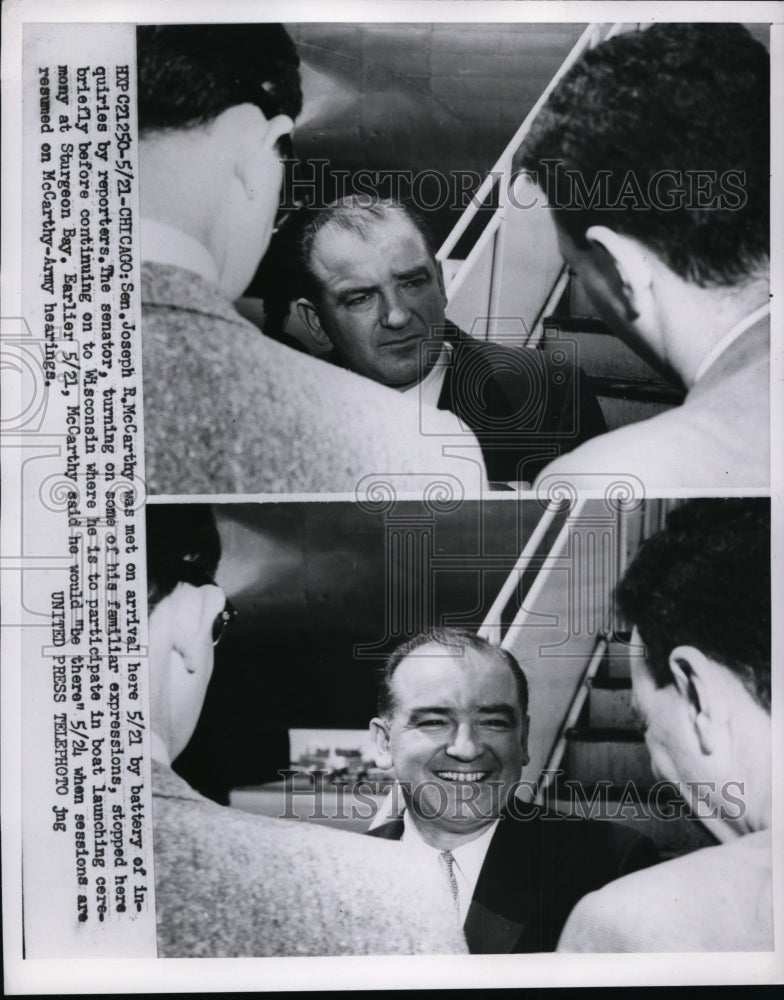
552 300
580 697
491 627
492 227
502 169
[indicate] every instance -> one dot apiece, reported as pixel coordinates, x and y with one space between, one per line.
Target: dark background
411 97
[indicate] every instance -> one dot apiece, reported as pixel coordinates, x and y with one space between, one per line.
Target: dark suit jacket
526 406
538 865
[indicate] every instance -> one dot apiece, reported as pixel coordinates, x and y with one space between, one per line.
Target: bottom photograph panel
483 727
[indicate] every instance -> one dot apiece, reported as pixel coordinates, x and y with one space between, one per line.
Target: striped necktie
447 861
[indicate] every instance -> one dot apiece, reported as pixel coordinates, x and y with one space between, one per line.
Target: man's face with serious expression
381 297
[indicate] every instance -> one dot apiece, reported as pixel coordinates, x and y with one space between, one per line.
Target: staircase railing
555 625
491 628
581 696
562 624
487 283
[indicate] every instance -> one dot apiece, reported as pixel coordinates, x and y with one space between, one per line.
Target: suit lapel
388 831
453 336
445 401
488 933
505 901
503 912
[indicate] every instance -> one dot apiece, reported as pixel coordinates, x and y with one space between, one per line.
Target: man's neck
744 784
158 749
428 388
443 840
163 243
757 788
696 320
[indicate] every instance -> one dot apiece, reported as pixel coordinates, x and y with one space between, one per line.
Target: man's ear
255 137
278 126
310 317
379 730
193 610
693 673
524 739
629 260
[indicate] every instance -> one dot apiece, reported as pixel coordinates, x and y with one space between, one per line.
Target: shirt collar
729 338
429 389
165 244
469 857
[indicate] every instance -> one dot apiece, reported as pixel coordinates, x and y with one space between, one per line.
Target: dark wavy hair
183 546
704 581
679 98
456 639
189 74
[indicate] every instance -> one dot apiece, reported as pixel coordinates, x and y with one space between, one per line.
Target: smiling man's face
457 739
381 297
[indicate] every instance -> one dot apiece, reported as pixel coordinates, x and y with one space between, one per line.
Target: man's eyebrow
411 272
502 708
346 293
428 710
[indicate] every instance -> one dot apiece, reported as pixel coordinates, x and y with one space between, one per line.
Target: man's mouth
462 775
403 341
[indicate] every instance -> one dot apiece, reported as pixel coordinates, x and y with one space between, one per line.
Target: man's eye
431 723
497 724
416 282
357 301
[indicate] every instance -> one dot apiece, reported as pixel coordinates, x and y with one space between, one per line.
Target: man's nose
394 311
465 745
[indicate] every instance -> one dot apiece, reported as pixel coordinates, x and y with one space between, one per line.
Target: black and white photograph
392 489
560 336
406 673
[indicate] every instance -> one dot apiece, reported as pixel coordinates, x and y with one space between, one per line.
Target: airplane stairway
506 281
588 754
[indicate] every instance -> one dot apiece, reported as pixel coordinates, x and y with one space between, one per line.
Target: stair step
616 663
610 706
614 755
613 683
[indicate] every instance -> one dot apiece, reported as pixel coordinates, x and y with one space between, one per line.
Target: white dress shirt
429 389
469 858
729 338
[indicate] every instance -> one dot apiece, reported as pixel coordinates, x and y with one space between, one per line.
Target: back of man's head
662 134
190 74
183 546
704 581
185 619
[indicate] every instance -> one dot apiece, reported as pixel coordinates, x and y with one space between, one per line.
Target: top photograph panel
465 256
